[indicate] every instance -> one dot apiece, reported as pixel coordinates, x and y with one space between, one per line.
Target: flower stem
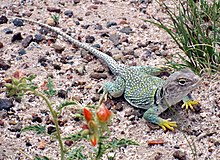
54 115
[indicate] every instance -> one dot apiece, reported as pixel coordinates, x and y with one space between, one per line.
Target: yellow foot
189 104
166 124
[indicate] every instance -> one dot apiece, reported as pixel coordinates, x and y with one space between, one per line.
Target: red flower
87 114
103 114
93 139
93 132
44 86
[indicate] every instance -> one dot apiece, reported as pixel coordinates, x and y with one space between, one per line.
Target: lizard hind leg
113 89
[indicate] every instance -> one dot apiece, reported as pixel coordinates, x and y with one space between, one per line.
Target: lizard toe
190 104
166 124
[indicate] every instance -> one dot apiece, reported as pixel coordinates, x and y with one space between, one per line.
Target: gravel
124 33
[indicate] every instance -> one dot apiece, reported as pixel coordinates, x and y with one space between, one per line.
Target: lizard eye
182 81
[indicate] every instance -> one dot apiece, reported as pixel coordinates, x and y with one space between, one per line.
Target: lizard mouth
197 81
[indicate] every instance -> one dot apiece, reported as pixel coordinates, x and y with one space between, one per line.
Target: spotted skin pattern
140 85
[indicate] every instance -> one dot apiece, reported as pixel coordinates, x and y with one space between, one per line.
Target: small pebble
80 69
6 104
77 23
28 144
1 45
115 39
179 155
58 48
42 145
25 42
144 26
98 75
99 69
4 65
3 19
93 7
38 38
76 1
90 39
62 94
96 46
98 27
95 98
36 118
16 128
7 31
110 24
51 129
18 22
86 26
43 61
21 51
119 107
68 13
56 66
1 122
16 37
51 22
53 9
68 143
126 30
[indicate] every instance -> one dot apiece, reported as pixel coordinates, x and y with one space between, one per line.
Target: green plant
195 28
56 18
21 85
95 129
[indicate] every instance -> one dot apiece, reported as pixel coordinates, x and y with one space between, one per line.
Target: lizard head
179 84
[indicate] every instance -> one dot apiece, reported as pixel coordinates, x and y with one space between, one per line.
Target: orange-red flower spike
87 114
103 114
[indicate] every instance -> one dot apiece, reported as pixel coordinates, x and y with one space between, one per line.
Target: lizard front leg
188 102
152 115
113 89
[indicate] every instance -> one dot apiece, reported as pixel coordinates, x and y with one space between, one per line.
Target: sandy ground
201 130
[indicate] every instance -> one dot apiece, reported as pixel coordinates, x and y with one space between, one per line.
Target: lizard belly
140 90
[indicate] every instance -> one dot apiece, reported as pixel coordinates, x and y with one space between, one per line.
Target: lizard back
141 89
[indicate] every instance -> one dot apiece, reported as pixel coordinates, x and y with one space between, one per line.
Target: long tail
112 64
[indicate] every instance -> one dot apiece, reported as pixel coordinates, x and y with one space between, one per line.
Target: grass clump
195 28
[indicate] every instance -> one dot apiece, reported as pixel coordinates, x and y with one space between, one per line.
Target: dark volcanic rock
98 75
3 19
126 30
18 22
7 31
4 65
53 9
62 93
109 24
90 39
6 104
16 37
25 42
21 51
1 45
68 13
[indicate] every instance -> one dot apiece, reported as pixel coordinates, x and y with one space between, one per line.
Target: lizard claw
166 124
189 104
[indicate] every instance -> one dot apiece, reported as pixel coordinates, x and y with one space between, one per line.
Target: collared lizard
139 85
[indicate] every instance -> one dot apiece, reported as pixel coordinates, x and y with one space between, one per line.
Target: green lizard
139 85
